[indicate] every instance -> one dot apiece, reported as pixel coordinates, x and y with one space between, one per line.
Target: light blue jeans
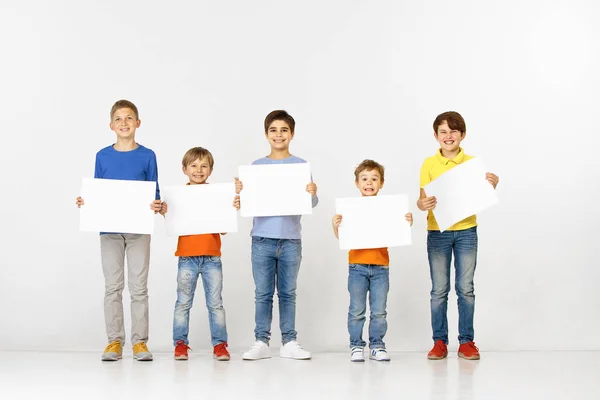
190 268
375 279
275 263
440 246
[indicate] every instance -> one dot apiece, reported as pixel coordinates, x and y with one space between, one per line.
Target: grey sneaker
141 352
113 352
379 355
357 354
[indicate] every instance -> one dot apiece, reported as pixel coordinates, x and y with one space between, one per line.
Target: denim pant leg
439 252
465 261
263 271
378 292
187 277
212 279
358 286
289 256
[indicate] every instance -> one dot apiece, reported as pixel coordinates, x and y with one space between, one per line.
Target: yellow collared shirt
432 168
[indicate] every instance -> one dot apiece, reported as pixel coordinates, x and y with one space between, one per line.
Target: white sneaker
379 355
357 354
294 350
258 350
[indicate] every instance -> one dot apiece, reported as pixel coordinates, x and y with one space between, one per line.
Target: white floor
509 375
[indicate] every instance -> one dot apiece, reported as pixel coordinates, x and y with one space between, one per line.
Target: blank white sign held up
460 193
199 209
371 222
271 190
117 206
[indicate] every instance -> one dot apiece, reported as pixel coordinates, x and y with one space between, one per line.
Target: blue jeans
275 262
440 246
212 279
375 279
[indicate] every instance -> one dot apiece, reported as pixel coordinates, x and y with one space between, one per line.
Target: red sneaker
181 350
220 352
439 351
468 351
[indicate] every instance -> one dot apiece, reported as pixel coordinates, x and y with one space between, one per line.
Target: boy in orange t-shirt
199 255
368 272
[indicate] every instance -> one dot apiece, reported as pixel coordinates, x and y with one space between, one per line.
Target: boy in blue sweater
126 160
276 253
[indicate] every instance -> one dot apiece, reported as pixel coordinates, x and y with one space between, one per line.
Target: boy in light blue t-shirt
276 253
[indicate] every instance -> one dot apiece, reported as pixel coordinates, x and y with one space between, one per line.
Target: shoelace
472 345
257 345
113 347
140 347
184 345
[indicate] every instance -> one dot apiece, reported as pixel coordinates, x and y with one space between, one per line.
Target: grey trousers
113 249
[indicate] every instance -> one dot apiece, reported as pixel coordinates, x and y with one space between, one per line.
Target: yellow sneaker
113 352
141 352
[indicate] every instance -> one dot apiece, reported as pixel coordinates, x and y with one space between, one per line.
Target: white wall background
364 79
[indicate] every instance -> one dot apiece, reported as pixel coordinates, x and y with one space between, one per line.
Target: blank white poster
199 209
118 206
271 190
461 192
371 222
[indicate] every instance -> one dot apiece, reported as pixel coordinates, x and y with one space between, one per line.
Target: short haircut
454 120
123 104
369 165
279 115
197 153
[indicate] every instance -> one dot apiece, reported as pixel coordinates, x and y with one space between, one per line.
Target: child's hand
79 202
428 203
238 186
336 221
163 209
156 206
492 179
312 188
408 218
236 202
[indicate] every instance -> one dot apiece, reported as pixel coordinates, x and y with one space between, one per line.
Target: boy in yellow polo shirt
449 130
368 272
199 255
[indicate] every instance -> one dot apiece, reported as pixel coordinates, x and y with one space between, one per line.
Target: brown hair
123 104
454 120
279 115
196 153
369 165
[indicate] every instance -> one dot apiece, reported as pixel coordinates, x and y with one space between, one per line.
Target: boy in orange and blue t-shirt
368 272
199 255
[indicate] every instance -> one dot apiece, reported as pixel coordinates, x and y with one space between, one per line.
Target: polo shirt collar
460 157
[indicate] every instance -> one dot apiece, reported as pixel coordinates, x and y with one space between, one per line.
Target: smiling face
369 182
449 140
198 171
124 123
279 135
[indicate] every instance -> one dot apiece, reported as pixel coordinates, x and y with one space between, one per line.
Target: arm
492 179
335 222
409 218
312 189
163 209
426 203
152 175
